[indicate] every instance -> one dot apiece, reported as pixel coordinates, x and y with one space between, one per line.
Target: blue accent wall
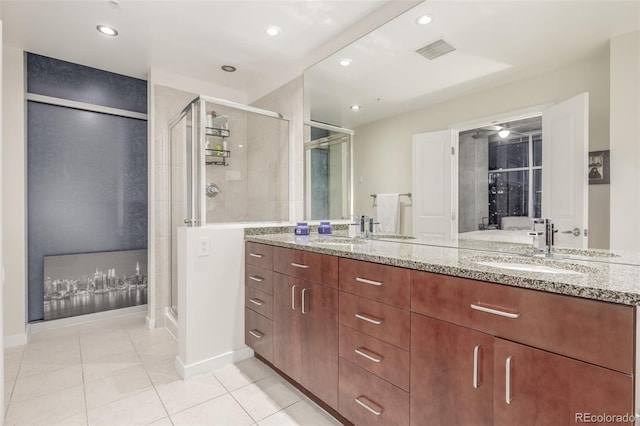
66 80
86 171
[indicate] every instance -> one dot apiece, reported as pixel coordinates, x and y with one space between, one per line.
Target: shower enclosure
228 163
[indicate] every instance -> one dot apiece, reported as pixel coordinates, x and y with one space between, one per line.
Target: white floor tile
50 408
107 365
162 372
109 345
223 411
36 362
302 413
53 335
158 352
77 420
242 373
144 337
266 397
116 386
183 394
52 381
162 422
140 409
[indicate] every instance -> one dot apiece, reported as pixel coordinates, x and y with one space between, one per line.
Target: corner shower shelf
217 132
216 157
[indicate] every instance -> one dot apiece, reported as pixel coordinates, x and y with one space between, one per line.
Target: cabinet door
451 374
535 387
319 327
286 324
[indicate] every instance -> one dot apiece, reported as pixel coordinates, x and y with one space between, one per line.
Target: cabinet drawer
259 255
387 284
258 334
309 266
259 302
376 319
258 278
365 399
378 357
597 332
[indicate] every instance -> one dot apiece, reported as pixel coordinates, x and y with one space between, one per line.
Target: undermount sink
526 267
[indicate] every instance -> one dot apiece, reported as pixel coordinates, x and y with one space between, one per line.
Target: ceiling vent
435 49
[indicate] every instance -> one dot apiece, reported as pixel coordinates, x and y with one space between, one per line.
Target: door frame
457 128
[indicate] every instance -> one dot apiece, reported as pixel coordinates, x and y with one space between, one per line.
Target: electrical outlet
204 246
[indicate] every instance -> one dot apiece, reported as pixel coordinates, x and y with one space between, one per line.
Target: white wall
14 191
625 141
382 149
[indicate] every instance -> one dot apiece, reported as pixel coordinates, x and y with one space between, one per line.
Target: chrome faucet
549 237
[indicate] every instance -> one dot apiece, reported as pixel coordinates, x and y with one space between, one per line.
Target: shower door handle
191 222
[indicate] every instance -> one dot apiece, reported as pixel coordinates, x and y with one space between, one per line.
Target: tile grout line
84 383
15 382
153 385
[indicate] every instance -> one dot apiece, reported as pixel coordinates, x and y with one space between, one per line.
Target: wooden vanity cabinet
305 323
258 333
472 366
451 374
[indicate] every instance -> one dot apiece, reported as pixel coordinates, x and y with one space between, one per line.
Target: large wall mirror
477 70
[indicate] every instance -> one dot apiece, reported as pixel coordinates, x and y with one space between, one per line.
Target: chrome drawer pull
293 296
495 311
372 410
258 255
256 278
299 265
257 334
361 351
366 281
369 319
303 301
507 385
257 302
476 382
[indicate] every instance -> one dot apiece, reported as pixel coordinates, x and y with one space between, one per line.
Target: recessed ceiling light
355 107
107 30
272 30
228 68
424 20
345 62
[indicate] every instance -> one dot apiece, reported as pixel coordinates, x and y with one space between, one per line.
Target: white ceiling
188 38
496 42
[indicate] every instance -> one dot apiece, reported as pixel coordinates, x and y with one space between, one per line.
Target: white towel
388 213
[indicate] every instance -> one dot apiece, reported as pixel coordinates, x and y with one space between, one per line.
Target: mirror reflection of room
500 179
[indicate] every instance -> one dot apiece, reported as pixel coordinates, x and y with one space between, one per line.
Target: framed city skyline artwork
78 284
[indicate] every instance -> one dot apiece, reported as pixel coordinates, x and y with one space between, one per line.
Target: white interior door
433 216
565 148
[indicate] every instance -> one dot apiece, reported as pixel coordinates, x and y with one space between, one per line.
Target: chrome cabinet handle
364 352
257 302
258 255
293 296
366 281
476 382
303 301
367 318
299 265
256 278
367 406
480 308
256 333
507 385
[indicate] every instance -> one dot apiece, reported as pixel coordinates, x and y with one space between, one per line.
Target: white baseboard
150 323
211 364
17 339
171 323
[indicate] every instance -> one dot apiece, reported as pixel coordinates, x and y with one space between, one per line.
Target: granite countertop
608 282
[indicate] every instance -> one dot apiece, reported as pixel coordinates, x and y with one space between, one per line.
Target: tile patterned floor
115 372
